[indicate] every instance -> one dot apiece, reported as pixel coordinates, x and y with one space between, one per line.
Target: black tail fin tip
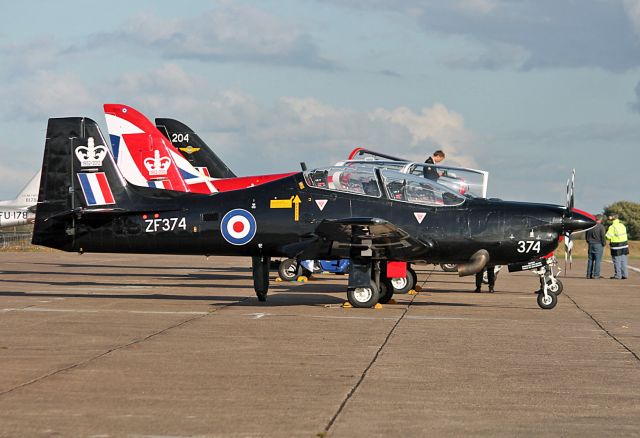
78 171
193 148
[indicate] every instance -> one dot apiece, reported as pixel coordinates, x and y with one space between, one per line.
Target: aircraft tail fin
193 148
28 196
78 174
146 157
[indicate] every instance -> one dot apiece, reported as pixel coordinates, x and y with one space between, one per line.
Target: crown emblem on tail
157 165
91 155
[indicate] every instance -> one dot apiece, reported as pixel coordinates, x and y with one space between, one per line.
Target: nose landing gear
550 286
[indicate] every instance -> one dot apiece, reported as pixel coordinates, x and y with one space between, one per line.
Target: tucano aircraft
201 157
86 205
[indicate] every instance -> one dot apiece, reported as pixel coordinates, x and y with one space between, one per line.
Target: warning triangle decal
419 216
321 203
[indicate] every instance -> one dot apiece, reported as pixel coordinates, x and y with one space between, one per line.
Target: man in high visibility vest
617 236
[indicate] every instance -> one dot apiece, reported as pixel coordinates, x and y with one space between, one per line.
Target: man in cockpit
432 172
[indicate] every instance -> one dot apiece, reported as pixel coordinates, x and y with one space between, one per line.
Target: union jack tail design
164 184
96 188
143 154
204 171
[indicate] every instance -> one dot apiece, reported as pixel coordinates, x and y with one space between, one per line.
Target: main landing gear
369 285
550 286
260 266
368 282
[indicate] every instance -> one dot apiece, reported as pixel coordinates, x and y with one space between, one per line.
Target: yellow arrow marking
296 211
293 202
281 203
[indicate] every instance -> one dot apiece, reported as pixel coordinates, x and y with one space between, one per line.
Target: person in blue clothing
595 240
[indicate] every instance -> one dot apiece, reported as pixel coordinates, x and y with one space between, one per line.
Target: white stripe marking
628 267
143 312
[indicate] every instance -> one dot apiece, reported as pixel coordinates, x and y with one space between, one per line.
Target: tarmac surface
136 345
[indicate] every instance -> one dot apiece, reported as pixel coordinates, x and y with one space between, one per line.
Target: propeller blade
570 190
568 250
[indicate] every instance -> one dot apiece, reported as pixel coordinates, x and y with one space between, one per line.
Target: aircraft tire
449 267
557 288
403 285
363 296
289 270
549 303
386 291
260 268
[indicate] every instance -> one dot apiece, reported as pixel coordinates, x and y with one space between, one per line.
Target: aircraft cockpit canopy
418 190
463 180
398 186
360 180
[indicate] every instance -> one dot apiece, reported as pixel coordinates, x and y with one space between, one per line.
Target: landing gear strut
550 286
260 265
363 289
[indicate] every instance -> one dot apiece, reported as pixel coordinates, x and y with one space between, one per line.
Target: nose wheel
550 287
547 300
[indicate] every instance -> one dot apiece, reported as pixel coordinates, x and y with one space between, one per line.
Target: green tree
629 213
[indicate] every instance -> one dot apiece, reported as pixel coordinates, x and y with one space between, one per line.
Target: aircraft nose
577 220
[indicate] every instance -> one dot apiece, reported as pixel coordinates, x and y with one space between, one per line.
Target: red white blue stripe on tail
160 184
96 188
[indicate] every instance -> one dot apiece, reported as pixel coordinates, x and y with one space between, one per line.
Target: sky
525 89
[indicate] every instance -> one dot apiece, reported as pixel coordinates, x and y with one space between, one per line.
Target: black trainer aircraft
369 214
193 148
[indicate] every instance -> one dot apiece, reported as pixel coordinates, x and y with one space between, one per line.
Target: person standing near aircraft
491 278
596 240
432 172
617 236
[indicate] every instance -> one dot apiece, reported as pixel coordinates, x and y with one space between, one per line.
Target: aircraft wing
373 236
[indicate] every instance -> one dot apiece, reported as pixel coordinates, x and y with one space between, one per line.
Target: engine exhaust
476 263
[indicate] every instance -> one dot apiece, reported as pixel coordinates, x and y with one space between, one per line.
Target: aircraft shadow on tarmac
283 297
156 267
188 276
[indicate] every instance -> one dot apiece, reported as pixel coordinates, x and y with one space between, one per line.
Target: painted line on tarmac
143 312
628 267
367 318
440 318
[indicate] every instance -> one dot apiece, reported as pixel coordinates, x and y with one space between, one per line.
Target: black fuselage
162 222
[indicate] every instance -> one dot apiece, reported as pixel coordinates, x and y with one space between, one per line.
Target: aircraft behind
21 210
146 157
193 148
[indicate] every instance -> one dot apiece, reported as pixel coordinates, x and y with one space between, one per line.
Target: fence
17 240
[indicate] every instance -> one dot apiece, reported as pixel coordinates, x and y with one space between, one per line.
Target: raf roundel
238 227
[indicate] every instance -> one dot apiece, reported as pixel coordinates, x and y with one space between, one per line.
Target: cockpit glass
353 179
419 190
468 182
